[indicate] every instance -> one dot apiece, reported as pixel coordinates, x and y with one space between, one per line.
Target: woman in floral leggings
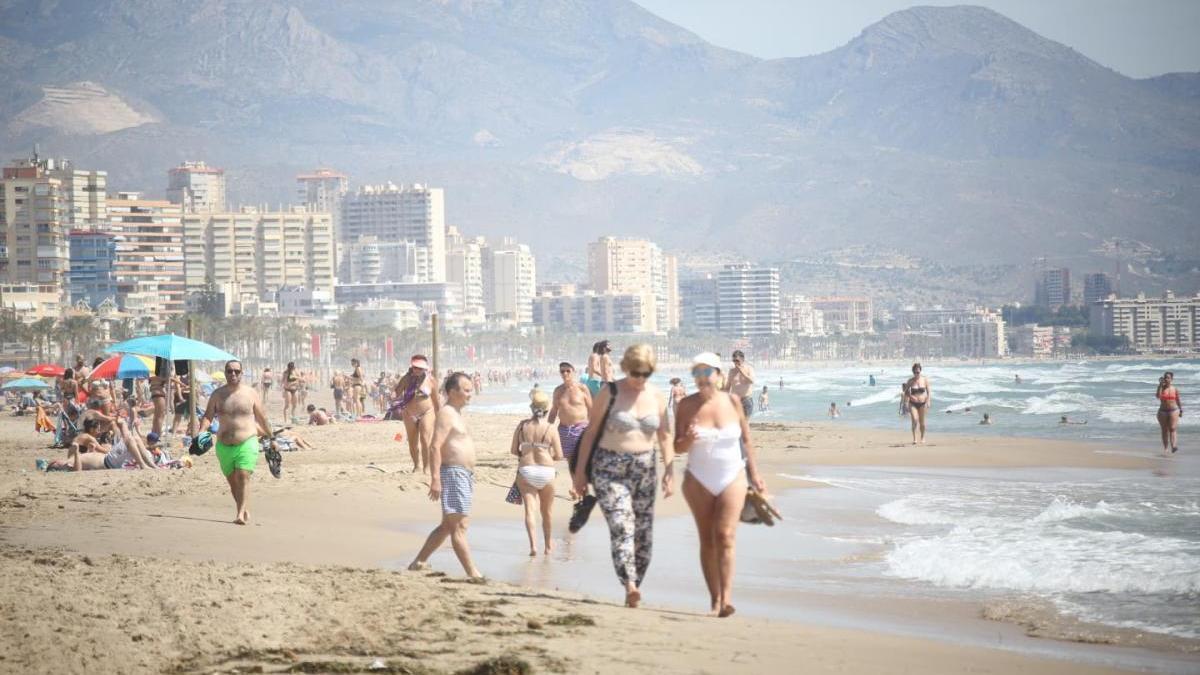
624 471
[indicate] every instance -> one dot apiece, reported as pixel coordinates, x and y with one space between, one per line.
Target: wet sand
128 571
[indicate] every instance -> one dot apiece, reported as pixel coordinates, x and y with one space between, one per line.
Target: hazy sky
1139 38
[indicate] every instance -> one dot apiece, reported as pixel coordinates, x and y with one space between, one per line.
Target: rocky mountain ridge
949 130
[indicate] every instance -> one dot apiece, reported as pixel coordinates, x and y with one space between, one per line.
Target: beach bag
583 507
514 494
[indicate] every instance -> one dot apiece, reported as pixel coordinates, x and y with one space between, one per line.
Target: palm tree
81 331
39 333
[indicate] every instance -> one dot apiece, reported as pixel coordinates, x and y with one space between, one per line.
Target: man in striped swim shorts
569 407
452 464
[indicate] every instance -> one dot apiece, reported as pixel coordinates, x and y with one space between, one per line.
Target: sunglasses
703 372
565 372
641 373
232 372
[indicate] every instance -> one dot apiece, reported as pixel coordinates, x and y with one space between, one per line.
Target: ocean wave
1058 403
885 396
1047 559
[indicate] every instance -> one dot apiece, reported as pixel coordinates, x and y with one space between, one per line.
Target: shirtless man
453 463
740 382
338 383
243 421
569 406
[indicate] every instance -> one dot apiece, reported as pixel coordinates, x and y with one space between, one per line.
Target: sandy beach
138 571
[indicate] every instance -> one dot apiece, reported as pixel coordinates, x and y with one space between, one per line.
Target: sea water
1115 548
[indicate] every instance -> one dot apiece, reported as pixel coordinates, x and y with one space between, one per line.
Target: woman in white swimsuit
713 431
536 444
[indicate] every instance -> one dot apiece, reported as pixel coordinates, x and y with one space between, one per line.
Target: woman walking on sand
291 392
624 471
1170 409
919 398
714 432
537 447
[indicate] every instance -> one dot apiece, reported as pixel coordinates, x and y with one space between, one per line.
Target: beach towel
41 422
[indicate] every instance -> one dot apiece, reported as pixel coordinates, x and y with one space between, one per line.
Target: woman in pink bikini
1170 409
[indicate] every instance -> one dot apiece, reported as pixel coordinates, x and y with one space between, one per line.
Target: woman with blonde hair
713 430
537 447
623 469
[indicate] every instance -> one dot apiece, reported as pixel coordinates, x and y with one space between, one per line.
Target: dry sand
139 571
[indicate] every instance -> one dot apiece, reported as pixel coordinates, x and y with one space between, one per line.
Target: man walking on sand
452 467
740 382
240 411
570 405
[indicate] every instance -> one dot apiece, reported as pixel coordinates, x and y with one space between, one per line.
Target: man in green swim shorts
240 411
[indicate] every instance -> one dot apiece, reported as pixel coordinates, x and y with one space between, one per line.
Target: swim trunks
570 436
242 456
458 489
748 405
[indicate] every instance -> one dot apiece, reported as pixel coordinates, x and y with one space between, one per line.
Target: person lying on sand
87 454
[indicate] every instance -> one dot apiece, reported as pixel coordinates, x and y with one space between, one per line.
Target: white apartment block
197 187
798 315
846 314
748 299
1149 323
464 270
34 248
392 213
509 283
591 312
370 261
618 265
263 251
979 336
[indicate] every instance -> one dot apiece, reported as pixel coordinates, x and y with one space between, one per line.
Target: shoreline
337 507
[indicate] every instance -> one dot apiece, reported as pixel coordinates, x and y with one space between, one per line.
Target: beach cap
152 438
420 362
539 399
707 359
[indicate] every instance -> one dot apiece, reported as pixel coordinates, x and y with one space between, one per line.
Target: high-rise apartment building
981 335
749 300
464 271
264 251
391 213
1149 323
34 248
149 249
846 314
323 190
1096 286
91 277
637 266
370 261
509 283
1053 290
85 194
197 187
699 303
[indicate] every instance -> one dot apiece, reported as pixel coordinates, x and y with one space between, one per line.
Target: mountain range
951 133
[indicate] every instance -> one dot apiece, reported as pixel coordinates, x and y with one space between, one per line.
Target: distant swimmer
764 400
871 380
1170 410
1065 420
1017 379
987 419
833 411
920 395
781 384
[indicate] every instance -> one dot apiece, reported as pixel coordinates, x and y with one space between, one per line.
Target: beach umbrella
6 369
25 383
123 366
172 347
217 375
46 370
